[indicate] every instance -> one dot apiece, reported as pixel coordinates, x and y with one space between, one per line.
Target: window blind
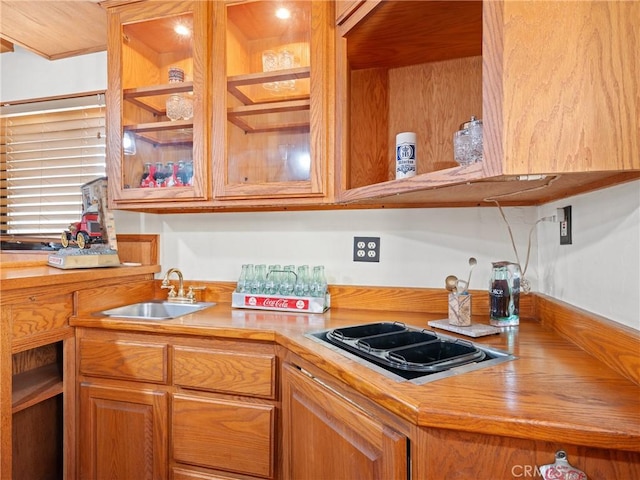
48 150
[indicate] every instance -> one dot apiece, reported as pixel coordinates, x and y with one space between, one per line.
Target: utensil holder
460 310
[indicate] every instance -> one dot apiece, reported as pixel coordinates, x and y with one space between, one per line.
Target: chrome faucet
179 296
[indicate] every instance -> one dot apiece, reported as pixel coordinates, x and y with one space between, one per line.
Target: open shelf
178 132
259 109
398 75
258 94
34 386
153 98
235 116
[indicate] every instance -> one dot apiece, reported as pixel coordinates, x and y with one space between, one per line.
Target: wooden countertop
553 391
44 276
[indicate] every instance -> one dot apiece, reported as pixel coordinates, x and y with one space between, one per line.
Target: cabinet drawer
145 362
227 435
251 374
41 314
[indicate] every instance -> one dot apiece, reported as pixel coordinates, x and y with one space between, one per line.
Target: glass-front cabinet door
157 98
271 128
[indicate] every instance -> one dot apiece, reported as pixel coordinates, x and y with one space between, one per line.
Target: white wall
26 75
419 247
600 272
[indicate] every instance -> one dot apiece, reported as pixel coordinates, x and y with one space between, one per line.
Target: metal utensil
451 283
472 263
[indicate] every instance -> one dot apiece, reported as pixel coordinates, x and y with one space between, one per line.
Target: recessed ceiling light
182 30
283 13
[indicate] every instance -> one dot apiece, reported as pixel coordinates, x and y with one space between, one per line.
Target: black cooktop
406 352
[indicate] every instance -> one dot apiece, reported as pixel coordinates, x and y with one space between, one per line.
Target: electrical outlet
366 249
565 227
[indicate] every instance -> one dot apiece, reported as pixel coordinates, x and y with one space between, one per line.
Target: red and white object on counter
281 303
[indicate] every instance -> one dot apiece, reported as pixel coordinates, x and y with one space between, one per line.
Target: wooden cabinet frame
542 138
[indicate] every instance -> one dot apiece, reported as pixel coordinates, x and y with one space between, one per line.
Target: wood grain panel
37 440
36 357
124 433
448 93
5 46
93 300
438 31
57 29
231 372
129 360
418 300
193 473
345 8
321 424
43 313
368 119
224 434
572 95
460 456
385 102
615 345
138 248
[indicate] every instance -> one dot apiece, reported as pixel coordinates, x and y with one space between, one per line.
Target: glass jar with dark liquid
504 294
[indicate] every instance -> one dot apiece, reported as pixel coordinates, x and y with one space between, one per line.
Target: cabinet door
271 117
563 81
156 100
327 436
224 434
123 433
462 455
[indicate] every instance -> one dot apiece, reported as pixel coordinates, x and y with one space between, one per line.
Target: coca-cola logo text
277 303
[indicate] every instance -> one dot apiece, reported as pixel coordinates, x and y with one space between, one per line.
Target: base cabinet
462 455
37 384
157 407
123 433
328 436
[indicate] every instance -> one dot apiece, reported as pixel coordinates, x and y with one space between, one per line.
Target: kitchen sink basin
156 310
409 354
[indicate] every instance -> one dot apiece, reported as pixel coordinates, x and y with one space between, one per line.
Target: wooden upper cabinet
555 83
571 88
273 83
157 100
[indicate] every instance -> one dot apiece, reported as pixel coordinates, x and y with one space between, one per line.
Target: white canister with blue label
405 155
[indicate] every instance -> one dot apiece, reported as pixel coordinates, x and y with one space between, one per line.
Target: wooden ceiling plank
55 29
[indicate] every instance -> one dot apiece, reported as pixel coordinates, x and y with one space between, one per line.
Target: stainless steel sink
156 310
